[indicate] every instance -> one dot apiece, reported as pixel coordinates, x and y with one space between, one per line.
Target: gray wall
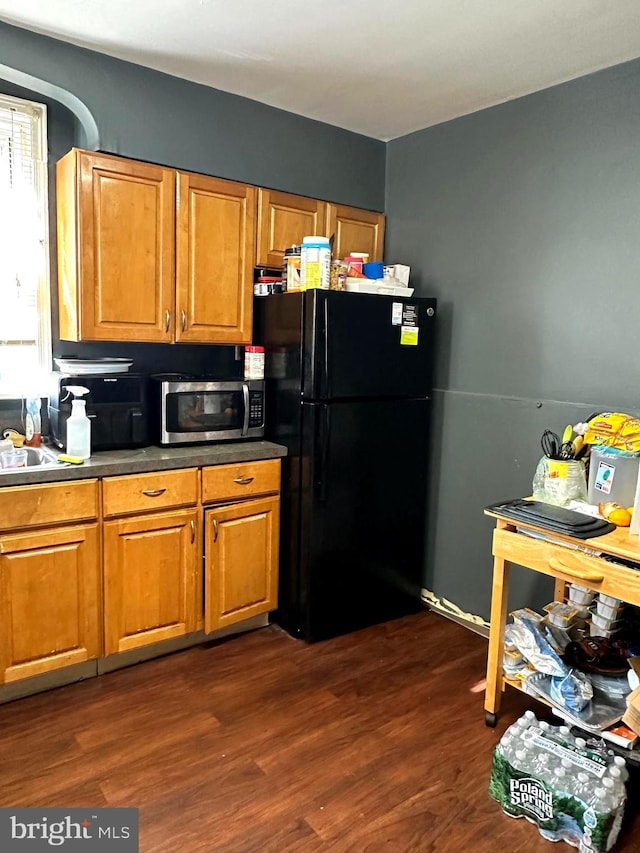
150 116
524 221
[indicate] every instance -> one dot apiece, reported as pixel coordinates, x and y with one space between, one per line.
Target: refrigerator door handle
323 430
326 348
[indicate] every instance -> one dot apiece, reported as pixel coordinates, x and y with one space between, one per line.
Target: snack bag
614 429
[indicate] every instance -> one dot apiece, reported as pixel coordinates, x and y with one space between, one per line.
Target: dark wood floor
370 742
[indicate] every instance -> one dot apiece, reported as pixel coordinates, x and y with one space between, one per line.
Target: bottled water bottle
523 761
614 793
583 787
542 765
602 800
619 762
560 779
580 742
526 720
565 734
597 804
506 746
615 773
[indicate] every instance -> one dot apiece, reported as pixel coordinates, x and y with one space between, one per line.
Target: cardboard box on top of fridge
381 286
400 272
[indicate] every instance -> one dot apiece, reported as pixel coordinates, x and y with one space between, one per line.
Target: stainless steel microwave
193 411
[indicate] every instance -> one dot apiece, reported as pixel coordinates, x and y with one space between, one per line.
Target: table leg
559 589
495 677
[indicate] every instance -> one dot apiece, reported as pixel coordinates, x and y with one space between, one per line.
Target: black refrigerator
348 391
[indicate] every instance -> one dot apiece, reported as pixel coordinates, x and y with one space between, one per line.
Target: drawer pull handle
243 481
153 493
215 529
184 322
581 574
193 531
167 320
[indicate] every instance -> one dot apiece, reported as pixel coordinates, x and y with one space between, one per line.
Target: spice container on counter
254 362
291 269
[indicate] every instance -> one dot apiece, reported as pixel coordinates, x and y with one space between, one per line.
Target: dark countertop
111 463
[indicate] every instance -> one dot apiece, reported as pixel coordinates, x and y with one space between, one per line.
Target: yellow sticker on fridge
409 336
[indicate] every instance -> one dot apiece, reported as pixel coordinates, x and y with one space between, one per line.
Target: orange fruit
621 517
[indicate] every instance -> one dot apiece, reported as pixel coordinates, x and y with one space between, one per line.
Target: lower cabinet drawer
243 480
142 492
48 504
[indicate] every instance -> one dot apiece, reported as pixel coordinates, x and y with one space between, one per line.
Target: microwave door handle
245 398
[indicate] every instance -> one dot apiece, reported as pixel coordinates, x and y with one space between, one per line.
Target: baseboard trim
451 611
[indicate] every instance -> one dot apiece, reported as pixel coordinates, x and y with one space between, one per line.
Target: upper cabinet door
116 227
355 230
283 220
215 248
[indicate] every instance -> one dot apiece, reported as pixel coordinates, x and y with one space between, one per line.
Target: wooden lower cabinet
241 568
49 600
150 578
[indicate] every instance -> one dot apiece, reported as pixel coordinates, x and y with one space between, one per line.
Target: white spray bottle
78 424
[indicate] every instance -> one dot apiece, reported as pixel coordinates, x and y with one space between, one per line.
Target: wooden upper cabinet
215 250
134 267
116 227
355 230
283 220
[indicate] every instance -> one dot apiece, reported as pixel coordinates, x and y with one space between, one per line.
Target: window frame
9 389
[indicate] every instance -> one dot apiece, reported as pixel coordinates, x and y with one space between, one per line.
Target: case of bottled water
570 792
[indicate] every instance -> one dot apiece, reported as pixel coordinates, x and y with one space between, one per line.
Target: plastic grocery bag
559 481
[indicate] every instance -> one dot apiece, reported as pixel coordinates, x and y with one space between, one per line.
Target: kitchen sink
37 457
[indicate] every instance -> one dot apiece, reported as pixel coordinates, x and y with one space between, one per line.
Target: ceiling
377 67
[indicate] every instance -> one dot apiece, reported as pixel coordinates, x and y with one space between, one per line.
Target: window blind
24 308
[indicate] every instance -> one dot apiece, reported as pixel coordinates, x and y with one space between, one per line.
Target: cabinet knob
243 481
153 493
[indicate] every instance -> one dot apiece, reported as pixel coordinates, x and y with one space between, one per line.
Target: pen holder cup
559 481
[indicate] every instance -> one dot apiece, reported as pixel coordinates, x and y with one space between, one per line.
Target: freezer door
362 513
362 345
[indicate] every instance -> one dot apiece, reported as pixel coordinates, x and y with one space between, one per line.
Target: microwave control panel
256 409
